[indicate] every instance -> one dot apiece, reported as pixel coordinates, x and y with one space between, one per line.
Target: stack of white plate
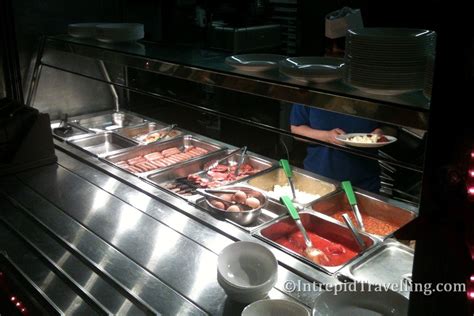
82 30
388 61
119 32
313 69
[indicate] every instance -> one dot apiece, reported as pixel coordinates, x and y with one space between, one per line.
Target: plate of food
366 140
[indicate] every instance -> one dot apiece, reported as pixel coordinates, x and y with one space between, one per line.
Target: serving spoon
312 253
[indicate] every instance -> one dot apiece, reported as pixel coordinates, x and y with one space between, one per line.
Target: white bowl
243 296
246 271
275 307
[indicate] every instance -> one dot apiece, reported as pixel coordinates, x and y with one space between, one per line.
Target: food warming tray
332 231
368 205
391 262
109 121
74 132
270 212
134 131
302 181
149 129
102 143
181 143
168 177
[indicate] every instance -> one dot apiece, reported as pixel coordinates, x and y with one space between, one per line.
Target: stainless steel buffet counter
92 244
93 238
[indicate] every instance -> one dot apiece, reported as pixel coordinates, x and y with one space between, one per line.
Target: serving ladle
312 253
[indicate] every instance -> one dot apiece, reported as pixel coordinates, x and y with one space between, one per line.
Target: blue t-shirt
332 163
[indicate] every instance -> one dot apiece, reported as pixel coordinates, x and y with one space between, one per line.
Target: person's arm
322 135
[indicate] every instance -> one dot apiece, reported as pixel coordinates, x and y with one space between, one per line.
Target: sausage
159 163
201 150
153 156
136 160
132 169
173 150
150 165
142 166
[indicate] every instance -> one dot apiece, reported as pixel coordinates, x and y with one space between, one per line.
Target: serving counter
92 244
91 237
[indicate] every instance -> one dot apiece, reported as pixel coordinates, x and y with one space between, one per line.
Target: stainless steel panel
270 212
103 143
303 182
47 282
58 92
108 121
389 263
95 286
313 223
181 143
166 178
141 284
170 256
368 205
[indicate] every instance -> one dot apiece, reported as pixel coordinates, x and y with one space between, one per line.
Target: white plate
345 139
254 62
275 307
316 69
361 302
402 34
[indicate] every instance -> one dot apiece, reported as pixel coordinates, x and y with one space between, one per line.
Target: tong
64 127
351 198
167 130
241 160
243 150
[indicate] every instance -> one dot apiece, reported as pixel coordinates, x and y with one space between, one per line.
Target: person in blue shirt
332 163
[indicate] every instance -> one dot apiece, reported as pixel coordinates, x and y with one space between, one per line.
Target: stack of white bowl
388 61
246 271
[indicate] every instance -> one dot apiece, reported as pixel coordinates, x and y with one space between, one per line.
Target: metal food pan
103 143
303 182
270 212
166 177
75 132
391 262
134 131
182 143
109 121
368 205
313 223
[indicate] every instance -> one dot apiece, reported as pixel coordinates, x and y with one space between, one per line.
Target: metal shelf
208 67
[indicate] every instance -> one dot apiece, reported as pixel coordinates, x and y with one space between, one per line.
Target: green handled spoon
347 186
289 174
311 253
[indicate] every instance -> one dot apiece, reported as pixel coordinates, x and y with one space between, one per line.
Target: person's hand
377 131
331 135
